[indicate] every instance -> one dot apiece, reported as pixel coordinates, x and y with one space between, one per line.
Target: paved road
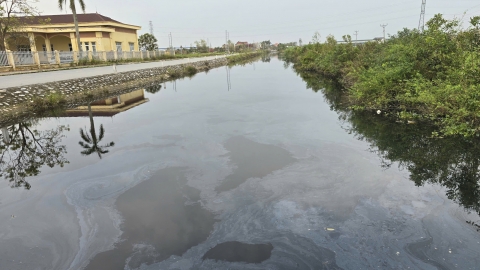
51 76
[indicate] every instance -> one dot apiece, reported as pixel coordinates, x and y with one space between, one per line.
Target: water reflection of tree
91 142
154 88
24 150
451 162
265 58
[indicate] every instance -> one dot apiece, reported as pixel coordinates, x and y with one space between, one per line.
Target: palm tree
91 142
63 3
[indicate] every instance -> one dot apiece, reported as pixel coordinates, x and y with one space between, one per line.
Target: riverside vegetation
432 75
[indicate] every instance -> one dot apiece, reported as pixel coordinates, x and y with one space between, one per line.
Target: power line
302 24
288 23
312 30
421 22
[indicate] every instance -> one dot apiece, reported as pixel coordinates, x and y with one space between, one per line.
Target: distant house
242 43
57 32
379 39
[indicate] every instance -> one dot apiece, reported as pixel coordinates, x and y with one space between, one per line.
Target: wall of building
121 35
60 43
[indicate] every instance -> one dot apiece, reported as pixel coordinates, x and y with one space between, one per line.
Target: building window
24 48
44 47
132 46
51 47
87 46
70 47
119 46
94 46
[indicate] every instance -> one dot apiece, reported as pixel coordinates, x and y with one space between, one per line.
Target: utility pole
226 42
421 22
356 37
150 24
228 37
383 26
170 41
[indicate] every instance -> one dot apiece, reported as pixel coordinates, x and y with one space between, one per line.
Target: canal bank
20 101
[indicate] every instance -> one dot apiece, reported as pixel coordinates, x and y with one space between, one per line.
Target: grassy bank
433 75
244 57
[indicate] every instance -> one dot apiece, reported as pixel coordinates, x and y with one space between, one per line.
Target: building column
31 39
47 43
6 135
33 48
11 60
73 41
57 57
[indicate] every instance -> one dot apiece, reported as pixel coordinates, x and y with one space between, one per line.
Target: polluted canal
249 167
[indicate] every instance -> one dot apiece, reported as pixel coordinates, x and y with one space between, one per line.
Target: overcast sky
277 21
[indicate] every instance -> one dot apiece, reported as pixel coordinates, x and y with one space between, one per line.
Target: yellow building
110 106
57 33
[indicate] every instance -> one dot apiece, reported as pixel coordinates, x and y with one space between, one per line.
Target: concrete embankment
14 101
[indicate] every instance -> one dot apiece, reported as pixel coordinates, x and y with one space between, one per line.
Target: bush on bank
242 57
432 75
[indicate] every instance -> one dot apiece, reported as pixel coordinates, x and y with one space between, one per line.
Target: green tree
91 142
24 150
11 24
316 38
202 46
265 45
62 4
147 42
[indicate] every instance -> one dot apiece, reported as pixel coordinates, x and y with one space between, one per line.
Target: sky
278 21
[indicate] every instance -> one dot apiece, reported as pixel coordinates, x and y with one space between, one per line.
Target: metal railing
82 56
97 56
4 59
23 58
111 56
46 58
66 57
128 55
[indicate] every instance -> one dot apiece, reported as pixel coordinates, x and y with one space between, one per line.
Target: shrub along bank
432 75
244 57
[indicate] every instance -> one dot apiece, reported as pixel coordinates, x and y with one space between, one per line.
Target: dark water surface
245 169
239 252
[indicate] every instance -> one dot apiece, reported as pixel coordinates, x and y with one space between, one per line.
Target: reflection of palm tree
90 143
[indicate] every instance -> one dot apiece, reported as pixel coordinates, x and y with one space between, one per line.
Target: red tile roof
68 18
